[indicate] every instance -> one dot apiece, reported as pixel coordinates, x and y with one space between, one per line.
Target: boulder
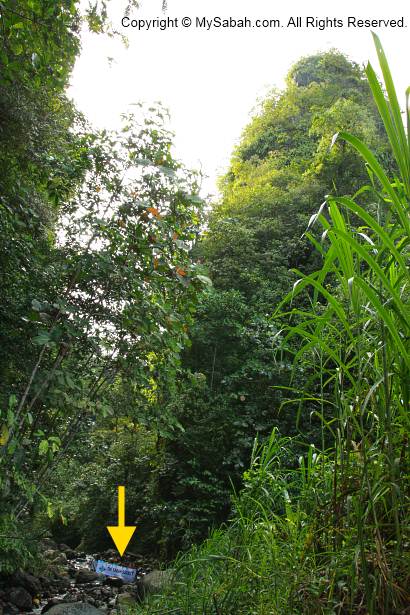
20 598
153 582
31 583
51 603
49 543
69 552
68 599
74 608
86 576
60 559
45 582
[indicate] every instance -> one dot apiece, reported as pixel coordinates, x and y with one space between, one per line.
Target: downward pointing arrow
121 533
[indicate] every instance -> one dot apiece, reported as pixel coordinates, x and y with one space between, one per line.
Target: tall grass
360 325
259 564
330 534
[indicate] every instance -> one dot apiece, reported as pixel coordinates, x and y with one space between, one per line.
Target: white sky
211 80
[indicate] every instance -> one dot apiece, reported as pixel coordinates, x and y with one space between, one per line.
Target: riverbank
68 577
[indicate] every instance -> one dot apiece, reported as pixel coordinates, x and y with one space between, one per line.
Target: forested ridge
241 366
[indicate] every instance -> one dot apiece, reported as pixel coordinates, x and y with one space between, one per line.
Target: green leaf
377 169
204 279
43 447
4 435
42 338
402 152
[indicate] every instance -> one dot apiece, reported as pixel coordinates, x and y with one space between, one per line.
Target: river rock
57 601
69 552
153 582
74 608
48 543
45 582
23 579
60 559
51 603
86 576
21 598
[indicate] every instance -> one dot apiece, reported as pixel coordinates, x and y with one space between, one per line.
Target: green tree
327 532
98 287
279 174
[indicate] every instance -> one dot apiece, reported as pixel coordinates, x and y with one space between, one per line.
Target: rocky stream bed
70 585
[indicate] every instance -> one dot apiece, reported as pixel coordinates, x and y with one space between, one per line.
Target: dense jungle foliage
321 524
242 368
98 287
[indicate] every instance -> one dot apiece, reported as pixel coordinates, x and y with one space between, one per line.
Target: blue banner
114 570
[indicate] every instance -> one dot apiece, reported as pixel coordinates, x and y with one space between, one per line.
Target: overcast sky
211 80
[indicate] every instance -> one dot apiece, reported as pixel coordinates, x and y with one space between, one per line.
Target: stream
70 577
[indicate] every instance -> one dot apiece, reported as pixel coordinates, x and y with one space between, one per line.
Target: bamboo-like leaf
385 317
408 117
315 340
385 113
395 112
337 306
376 167
382 278
378 229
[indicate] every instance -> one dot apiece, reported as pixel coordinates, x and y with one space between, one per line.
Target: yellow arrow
121 533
